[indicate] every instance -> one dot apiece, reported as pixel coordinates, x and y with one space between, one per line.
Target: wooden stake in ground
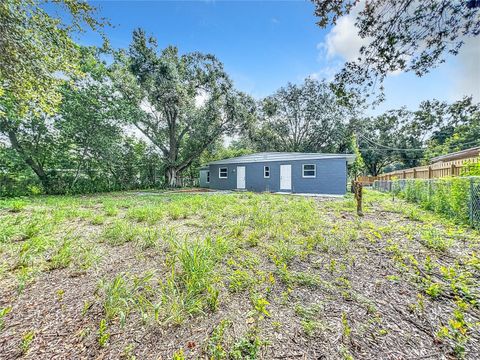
358 197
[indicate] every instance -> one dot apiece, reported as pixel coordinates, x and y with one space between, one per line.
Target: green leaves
181 103
37 53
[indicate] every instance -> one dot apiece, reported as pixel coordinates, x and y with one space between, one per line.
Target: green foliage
103 334
27 339
124 294
358 165
446 196
471 169
305 117
408 37
4 312
38 45
183 130
435 239
120 232
216 343
247 348
178 355
240 280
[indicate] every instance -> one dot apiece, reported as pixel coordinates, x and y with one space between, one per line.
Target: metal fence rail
458 197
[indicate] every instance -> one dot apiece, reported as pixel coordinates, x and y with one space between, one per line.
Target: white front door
240 177
285 177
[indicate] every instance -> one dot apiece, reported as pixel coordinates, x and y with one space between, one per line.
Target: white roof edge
269 157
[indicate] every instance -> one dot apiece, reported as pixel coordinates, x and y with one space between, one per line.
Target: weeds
4 312
216 343
124 294
119 233
63 255
309 318
103 334
207 250
27 339
433 239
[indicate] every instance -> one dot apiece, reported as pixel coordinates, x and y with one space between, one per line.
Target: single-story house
293 172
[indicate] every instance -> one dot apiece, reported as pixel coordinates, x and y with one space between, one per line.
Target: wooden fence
437 170
366 180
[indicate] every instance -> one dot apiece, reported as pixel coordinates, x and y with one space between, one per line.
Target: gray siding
331 176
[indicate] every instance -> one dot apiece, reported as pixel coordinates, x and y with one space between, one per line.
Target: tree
358 166
402 138
181 103
371 134
37 53
403 35
84 140
453 127
304 117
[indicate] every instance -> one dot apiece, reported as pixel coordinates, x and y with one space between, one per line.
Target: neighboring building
458 157
280 172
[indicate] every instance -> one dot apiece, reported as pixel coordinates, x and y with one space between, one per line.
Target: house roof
463 154
282 156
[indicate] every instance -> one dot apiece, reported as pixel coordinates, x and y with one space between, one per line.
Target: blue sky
264 45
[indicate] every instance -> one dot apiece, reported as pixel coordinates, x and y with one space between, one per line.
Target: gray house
279 172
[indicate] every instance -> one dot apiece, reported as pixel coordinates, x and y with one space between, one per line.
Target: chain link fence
458 198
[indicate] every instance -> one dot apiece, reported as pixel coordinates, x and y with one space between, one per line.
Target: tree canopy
306 117
402 35
182 103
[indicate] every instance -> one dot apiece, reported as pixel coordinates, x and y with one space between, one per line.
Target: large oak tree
181 103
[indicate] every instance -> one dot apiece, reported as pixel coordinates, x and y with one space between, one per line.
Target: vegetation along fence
457 198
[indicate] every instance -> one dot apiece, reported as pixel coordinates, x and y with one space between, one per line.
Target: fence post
414 173
452 170
429 172
358 197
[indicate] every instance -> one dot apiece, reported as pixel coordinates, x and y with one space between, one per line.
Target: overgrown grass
165 260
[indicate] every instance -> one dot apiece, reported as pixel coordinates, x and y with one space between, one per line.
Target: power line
387 148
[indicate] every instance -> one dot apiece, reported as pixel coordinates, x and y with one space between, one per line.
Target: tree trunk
37 169
172 177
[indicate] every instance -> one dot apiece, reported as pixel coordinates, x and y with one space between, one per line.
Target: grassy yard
235 276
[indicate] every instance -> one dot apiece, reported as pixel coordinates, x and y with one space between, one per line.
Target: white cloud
467 73
343 40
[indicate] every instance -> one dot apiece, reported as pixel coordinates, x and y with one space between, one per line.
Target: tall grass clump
124 294
190 288
120 232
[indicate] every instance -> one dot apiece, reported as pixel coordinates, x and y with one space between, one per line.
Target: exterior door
240 177
285 177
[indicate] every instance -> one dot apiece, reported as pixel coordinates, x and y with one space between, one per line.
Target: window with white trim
309 171
208 177
266 172
223 173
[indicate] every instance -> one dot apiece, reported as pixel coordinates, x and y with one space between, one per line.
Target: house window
266 172
223 173
208 177
309 171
